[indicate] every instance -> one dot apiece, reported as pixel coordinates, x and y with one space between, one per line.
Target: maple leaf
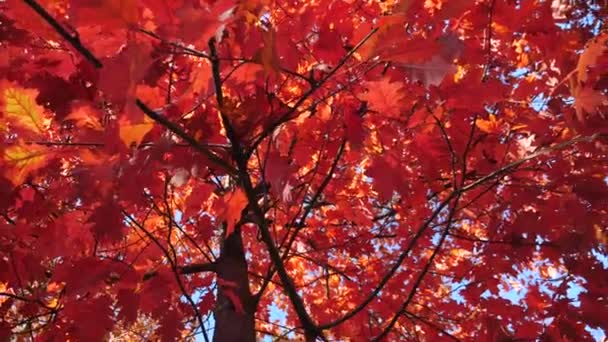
107 222
122 73
386 26
128 299
19 107
588 101
433 70
22 160
450 8
170 324
492 125
85 116
355 131
92 330
200 23
277 172
200 77
384 96
596 47
444 179
386 177
267 55
232 205
106 12
133 133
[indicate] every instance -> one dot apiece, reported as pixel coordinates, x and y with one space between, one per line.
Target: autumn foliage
337 170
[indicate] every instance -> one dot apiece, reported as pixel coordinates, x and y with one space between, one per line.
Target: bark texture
231 325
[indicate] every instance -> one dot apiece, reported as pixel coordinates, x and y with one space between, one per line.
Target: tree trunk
231 325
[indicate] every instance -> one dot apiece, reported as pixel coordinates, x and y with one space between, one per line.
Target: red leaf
170 326
108 222
277 172
384 96
355 133
89 329
129 303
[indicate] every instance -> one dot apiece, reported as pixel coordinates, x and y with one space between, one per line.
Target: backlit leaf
233 205
384 96
133 133
20 108
22 160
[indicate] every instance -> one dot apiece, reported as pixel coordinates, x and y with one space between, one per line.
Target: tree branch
422 274
214 158
198 268
287 116
393 268
174 267
72 39
310 329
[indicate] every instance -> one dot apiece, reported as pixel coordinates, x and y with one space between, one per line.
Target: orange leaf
133 133
21 160
588 100
267 55
489 126
85 117
200 77
234 203
593 51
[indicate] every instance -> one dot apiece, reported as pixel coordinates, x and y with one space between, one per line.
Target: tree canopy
331 170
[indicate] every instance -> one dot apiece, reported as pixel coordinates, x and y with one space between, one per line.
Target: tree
363 170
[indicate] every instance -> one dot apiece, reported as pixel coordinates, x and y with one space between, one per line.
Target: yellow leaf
53 303
133 133
21 160
20 108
